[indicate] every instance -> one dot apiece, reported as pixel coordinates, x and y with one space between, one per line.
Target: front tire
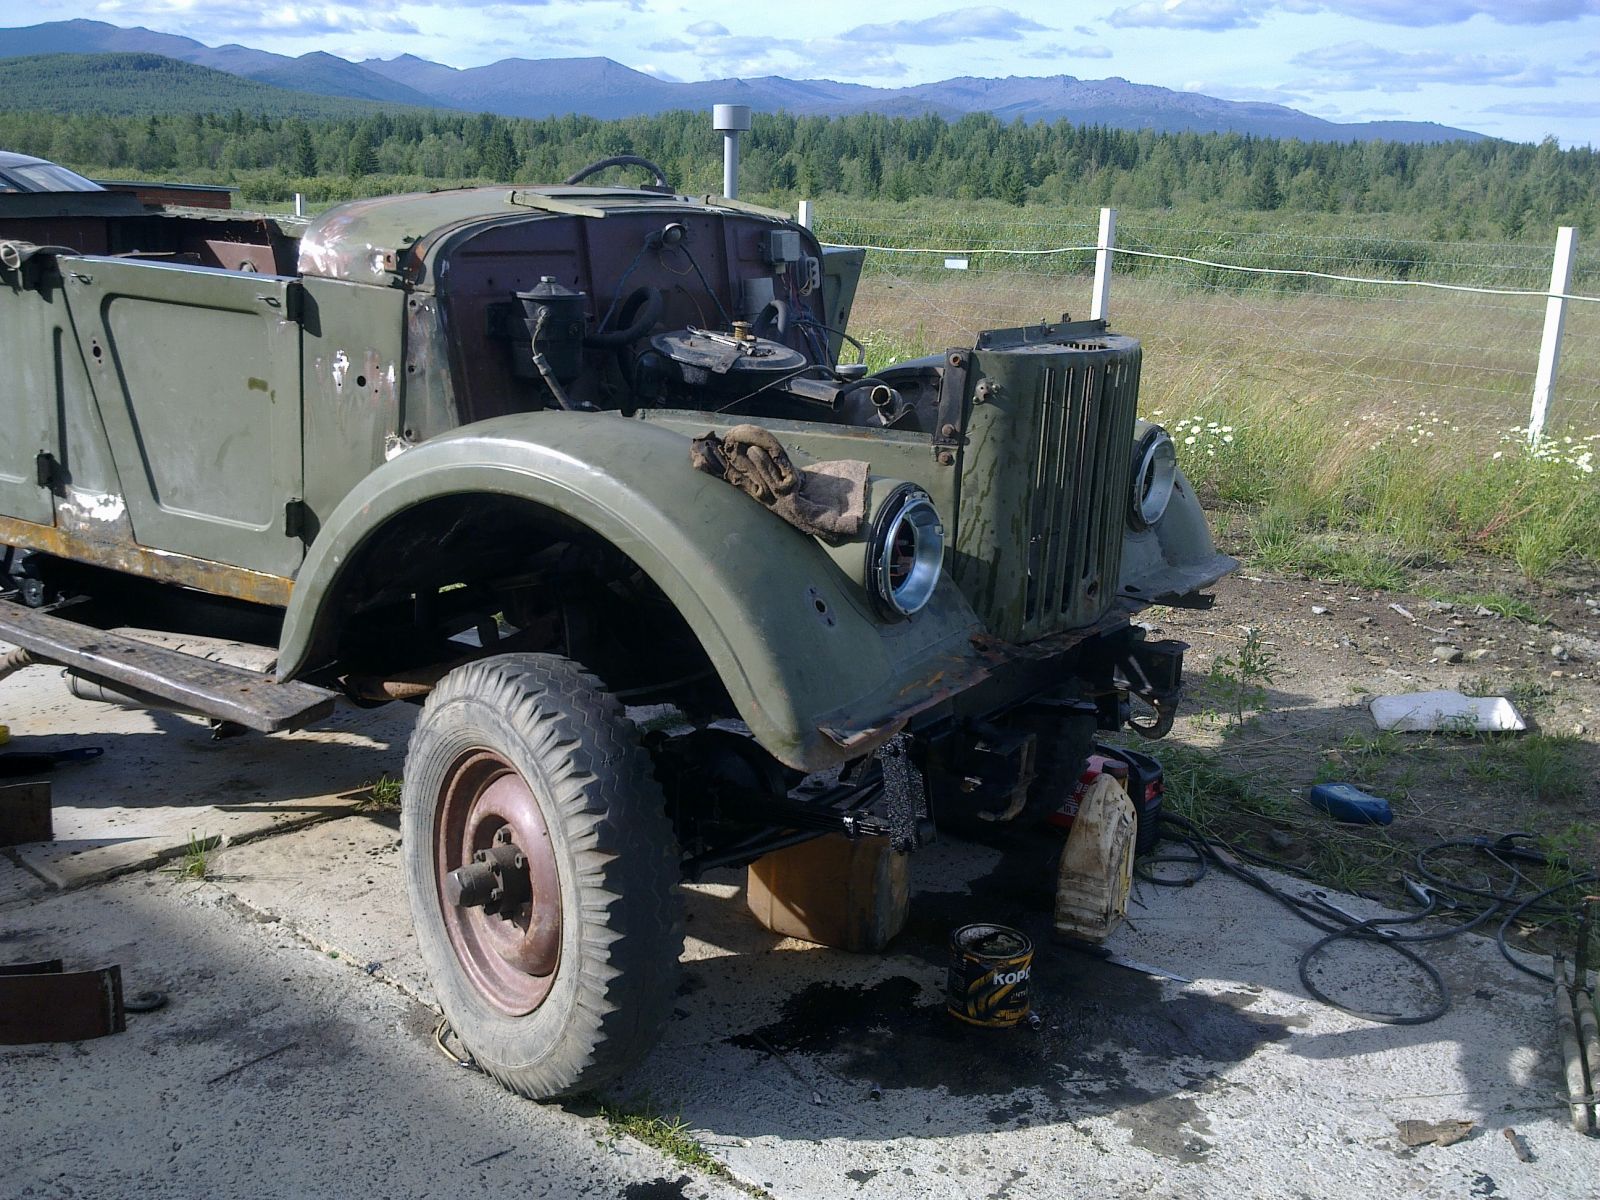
564 979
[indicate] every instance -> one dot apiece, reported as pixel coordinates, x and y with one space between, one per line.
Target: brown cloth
828 499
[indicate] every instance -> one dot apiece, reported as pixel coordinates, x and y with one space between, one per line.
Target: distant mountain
1126 105
126 84
600 87
315 72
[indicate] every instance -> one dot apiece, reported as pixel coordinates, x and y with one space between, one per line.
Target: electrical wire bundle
1439 896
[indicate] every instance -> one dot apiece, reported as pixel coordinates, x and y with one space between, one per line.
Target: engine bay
674 308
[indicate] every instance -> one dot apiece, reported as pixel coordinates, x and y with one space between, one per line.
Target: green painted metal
196 378
36 324
226 419
1045 483
887 452
793 638
353 374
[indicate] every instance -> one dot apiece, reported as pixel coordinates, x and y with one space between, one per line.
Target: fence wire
1397 326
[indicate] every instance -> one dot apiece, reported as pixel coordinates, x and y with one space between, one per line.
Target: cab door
196 373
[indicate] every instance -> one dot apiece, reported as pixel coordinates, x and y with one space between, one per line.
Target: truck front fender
817 676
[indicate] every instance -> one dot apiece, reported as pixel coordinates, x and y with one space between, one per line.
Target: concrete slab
162 777
813 1073
274 1071
809 1073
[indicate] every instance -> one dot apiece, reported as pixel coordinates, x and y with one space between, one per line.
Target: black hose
778 310
619 160
1366 931
1525 906
637 317
1335 926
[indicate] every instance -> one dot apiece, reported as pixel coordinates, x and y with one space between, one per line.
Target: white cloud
1064 51
1228 91
951 28
1361 66
1219 15
1569 109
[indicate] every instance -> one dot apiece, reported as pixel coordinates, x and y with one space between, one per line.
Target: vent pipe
730 120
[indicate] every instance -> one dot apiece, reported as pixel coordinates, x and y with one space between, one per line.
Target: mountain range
600 87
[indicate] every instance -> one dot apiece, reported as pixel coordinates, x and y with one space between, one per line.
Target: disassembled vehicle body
528 456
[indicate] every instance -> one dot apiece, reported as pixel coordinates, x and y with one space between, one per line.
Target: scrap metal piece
41 1002
25 813
1433 1133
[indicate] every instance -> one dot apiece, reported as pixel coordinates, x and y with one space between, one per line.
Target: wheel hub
496 880
498 884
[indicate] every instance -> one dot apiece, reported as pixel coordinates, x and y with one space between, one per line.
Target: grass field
1357 429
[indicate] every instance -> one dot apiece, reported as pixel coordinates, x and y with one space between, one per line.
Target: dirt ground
1334 647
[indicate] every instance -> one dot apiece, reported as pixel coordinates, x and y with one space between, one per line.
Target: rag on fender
827 500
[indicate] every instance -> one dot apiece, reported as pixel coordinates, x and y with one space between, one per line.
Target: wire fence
1398 328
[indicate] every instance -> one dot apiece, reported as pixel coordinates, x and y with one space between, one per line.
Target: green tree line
1462 188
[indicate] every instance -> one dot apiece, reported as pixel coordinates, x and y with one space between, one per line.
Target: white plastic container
1096 864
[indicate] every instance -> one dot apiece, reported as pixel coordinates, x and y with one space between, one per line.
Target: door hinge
49 470
951 419
289 306
296 518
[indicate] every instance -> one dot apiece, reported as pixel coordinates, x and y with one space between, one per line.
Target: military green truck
586 472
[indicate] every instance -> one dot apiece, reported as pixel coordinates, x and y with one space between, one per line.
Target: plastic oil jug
1096 864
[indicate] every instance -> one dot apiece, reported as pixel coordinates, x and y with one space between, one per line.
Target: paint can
990 966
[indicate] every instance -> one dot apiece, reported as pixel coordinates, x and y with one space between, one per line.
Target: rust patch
217 578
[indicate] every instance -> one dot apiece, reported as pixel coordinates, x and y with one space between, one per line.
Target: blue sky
1513 68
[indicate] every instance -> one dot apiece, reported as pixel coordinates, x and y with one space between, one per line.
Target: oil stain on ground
658 1189
1094 1021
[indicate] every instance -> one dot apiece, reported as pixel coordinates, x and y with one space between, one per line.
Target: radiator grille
1078 507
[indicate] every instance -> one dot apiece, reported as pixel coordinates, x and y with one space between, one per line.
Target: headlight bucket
905 553
1155 474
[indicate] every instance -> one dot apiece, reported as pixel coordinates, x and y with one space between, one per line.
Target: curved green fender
817 676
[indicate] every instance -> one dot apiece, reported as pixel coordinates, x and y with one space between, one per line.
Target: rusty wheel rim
511 957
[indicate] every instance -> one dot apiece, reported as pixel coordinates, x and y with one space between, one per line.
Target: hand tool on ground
1116 960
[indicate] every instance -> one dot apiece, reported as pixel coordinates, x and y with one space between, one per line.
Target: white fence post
1101 302
299 205
1555 319
805 213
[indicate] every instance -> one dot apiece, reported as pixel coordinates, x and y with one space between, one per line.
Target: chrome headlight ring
1155 474
906 553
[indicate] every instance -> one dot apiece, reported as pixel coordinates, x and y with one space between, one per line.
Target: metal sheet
25 813
215 689
39 1002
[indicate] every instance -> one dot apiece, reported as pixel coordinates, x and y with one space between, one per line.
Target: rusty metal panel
39 1002
213 689
25 813
216 578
